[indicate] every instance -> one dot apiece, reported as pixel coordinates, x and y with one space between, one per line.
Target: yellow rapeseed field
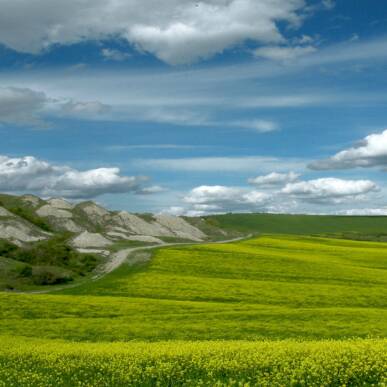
270 311
34 362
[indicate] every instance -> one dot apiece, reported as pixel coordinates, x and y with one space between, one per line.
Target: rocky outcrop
31 200
60 203
49 211
90 240
135 225
180 227
104 253
69 225
94 213
145 238
59 214
19 231
95 226
5 213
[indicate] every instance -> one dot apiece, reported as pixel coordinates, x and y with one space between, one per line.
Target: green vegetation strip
300 224
26 362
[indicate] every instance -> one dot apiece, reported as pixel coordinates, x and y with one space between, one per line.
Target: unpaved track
118 258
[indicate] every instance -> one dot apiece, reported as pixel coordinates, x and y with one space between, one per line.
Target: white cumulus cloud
218 198
369 152
329 189
176 31
273 179
296 196
29 174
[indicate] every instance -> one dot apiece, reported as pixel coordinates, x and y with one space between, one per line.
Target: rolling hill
287 306
248 294
51 242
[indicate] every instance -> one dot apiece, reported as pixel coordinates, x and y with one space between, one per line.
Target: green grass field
275 287
371 226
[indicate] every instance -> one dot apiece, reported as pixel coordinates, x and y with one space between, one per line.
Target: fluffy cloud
176 31
217 198
329 190
370 152
295 197
28 174
273 179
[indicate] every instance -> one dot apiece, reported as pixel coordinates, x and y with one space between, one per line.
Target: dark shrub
24 271
6 247
49 276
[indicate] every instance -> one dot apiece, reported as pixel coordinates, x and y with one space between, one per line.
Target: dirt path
118 258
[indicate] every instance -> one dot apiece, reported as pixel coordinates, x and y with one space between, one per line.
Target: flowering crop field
274 310
36 362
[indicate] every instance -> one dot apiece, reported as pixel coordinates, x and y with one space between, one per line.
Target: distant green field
274 287
300 224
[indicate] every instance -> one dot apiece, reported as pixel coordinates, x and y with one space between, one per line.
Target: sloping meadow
275 310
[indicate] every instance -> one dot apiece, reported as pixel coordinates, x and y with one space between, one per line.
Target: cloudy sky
196 107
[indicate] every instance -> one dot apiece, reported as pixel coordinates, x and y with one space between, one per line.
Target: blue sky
195 107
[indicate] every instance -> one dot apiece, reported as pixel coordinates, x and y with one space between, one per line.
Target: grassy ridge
300 224
324 363
270 287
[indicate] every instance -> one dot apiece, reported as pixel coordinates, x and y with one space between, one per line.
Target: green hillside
48 262
318 291
270 287
302 224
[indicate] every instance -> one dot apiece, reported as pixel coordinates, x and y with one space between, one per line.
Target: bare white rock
117 235
70 225
16 231
50 211
180 227
89 240
104 253
4 212
95 213
140 238
145 238
31 199
93 209
60 203
136 225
